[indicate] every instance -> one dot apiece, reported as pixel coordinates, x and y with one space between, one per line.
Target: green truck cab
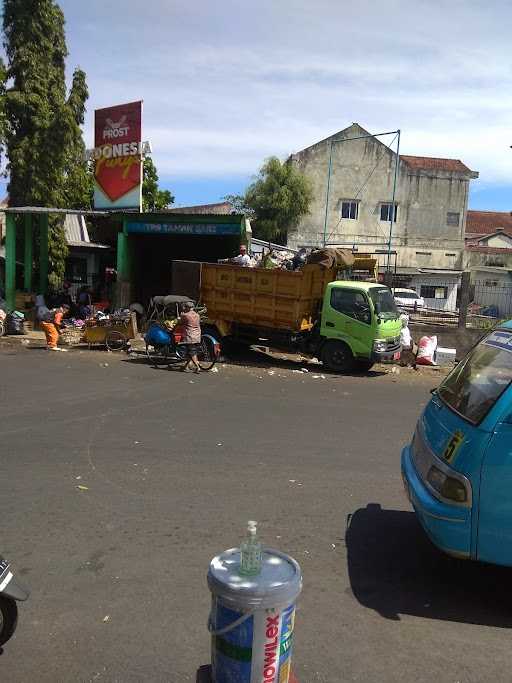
359 326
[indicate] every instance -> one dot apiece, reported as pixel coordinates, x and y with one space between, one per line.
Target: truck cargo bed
269 298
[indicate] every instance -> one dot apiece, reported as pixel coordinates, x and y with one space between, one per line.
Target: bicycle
164 347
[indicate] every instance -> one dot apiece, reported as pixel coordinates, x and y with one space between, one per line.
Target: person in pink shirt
190 322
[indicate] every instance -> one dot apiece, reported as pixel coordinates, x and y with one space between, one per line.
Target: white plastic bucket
252 618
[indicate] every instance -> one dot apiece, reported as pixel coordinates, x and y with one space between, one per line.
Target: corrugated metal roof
219 209
75 228
45 209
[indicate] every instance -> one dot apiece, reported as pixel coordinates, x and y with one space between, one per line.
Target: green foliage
42 125
153 199
79 173
237 201
3 79
57 251
279 197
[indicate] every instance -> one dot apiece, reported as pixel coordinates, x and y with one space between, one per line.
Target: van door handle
329 324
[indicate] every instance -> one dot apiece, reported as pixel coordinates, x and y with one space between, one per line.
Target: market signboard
118 151
183 228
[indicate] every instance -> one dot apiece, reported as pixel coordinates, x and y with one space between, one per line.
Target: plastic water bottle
250 552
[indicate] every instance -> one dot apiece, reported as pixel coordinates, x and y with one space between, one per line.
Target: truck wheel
232 348
337 356
364 365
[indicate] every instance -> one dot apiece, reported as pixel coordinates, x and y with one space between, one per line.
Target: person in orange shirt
51 324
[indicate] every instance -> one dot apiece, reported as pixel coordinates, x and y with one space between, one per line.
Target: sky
228 83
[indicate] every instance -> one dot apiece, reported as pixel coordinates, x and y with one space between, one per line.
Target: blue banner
500 340
184 228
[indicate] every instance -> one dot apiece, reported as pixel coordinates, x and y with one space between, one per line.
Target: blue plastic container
157 336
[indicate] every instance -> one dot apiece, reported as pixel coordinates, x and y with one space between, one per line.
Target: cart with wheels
113 332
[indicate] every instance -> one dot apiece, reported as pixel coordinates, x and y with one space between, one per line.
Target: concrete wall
473 259
363 170
499 241
449 337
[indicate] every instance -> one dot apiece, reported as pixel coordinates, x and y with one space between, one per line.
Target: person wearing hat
191 324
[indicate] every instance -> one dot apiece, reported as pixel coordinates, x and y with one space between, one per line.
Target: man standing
191 323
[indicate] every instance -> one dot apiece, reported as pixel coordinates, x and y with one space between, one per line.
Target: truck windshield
474 386
383 303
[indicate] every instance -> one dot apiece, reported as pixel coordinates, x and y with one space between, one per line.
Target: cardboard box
445 356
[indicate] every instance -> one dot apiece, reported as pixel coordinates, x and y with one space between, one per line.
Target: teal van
457 470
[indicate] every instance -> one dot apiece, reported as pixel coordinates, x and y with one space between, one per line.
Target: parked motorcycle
10 592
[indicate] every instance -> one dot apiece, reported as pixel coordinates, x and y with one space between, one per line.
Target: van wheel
337 356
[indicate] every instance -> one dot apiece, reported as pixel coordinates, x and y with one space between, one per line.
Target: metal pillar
43 253
392 221
357 137
10 261
122 256
123 284
327 193
28 258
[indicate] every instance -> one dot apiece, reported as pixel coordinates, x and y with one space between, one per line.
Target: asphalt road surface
174 465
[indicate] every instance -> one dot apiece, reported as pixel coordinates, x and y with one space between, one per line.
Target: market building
142 247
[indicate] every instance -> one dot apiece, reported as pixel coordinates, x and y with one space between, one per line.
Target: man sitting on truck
243 258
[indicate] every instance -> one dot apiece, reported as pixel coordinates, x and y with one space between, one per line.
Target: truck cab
359 325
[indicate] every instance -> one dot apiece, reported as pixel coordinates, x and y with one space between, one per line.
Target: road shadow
260 357
394 569
204 675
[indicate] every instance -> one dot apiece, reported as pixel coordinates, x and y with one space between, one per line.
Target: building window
386 212
450 254
491 283
350 209
433 292
452 218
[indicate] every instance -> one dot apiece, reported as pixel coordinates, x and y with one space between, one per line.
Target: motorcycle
10 592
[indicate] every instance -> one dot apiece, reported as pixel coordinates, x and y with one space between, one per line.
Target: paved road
175 465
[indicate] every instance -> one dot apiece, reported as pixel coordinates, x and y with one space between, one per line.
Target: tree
42 124
79 173
153 199
279 197
237 201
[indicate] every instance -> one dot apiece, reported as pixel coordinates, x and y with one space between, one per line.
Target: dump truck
348 325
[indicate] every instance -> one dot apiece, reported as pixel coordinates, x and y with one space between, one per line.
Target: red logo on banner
117 127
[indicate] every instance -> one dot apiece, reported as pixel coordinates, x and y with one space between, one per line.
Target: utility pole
391 222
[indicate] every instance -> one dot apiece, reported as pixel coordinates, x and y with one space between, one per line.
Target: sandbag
405 338
427 351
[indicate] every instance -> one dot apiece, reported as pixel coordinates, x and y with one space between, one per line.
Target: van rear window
474 386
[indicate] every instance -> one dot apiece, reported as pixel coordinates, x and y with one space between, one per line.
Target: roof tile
487 222
435 164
